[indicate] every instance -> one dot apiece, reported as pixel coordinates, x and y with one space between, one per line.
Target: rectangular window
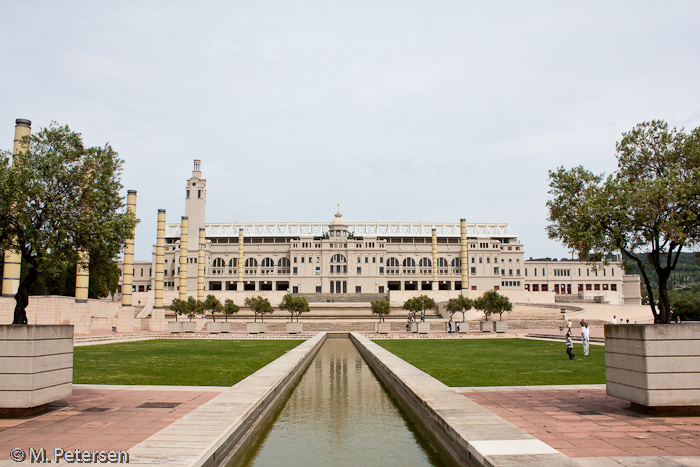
318 260
294 260
374 259
359 270
535 287
525 272
359 260
605 286
381 289
381 270
517 272
535 272
366 259
345 269
302 259
199 193
472 260
589 287
473 270
510 272
381 260
294 270
596 287
473 287
613 287
545 288
358 289
495 270
503 272
488 259
481 260
318 289
188 194
318 270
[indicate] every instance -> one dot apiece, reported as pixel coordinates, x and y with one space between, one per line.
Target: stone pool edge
471 434
211 434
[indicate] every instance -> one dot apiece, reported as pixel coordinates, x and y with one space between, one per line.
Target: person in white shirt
614 320
585 338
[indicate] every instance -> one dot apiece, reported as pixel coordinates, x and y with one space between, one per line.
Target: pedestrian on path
449 327
568 325
569 346
614 320
457 327
585 338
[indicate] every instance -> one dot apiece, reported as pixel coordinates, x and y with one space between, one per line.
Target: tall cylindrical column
13 260
160 260
82 276
435 258
184 238
200 264
463 259
128 272
240 258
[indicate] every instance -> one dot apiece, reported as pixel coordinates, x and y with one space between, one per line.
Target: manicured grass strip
175 362
501 362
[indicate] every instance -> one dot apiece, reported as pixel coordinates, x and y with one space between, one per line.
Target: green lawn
501 362
175 362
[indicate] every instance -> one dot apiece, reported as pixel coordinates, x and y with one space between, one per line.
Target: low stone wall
36 363
653 365
468 432
232 419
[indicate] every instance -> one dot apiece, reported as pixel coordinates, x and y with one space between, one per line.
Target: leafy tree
482 304
686 310
259 305
460 304
179 307
58 197
229 308
194 306
419 304
648 209
294 305
213 305
381 308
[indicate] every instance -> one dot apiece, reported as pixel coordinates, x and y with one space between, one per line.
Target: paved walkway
101 418
583 422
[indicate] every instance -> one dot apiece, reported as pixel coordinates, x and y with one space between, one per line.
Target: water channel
338 415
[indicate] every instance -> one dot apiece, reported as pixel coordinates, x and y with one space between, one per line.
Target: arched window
251 263
218 263
456 268
443 266
283 263
338 259
409 265
425 265
233 263
392 266
267 263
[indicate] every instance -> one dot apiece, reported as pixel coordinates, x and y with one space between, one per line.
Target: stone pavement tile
651 461
685 461
575 452
597 462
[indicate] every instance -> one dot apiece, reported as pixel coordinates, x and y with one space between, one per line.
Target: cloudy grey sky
425 111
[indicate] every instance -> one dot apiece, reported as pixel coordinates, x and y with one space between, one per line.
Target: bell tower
196 204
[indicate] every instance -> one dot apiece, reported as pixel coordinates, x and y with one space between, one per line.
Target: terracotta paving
80 422
588 423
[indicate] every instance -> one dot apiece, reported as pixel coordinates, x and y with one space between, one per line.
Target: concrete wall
36 364
653 365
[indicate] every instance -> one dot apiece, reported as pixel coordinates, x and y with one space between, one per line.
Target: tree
648 209
179 307
420 303
482 303
259 305
58 197
686 309
381 308
229 308
213 305
194 306
460 304
294 305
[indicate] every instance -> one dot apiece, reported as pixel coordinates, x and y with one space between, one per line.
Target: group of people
412 319
585 339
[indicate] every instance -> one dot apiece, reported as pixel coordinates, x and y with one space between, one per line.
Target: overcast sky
423 111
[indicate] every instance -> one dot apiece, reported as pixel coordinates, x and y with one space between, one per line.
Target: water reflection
340 417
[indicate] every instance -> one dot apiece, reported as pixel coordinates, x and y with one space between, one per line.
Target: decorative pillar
200 264
240 258
184 238
13 260
434 285
82 277
463 259
160 260
128 271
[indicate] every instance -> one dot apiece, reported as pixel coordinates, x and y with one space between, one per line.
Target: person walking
569 346
457 327
449 327
422 316
585 339
614 320
568 325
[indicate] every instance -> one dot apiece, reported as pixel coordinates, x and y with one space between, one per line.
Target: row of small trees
490 302
259 305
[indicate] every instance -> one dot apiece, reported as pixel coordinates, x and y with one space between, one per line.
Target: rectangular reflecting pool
339 414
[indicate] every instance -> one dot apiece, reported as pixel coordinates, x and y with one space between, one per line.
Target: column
184 238
434 284
82 276
160 260
128 271
200 264
240 258
13 260
463 258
